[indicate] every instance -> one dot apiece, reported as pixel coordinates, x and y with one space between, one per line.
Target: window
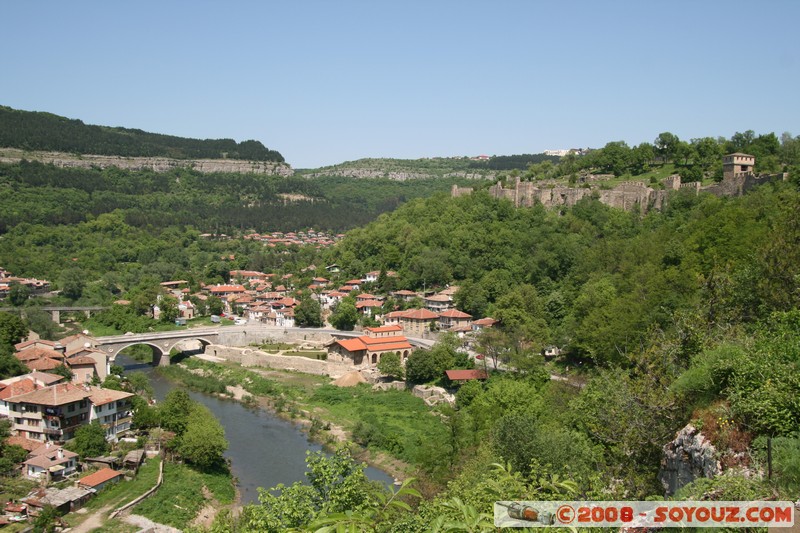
71 407
83 404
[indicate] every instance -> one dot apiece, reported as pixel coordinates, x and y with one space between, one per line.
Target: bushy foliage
89 441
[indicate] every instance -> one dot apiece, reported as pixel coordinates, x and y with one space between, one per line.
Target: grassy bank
393 422
120 493
185 492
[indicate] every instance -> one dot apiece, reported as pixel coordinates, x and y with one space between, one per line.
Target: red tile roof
369 303
226 288
465 375
454 313
25 344
27 444
23 386
53 395
419 314
352 345
99 477
385 329
45 363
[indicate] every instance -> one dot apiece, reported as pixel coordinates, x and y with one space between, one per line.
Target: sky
324 82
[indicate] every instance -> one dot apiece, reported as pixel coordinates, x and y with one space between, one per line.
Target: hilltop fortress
738 177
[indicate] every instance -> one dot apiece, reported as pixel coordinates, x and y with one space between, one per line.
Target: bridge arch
158 353
161 347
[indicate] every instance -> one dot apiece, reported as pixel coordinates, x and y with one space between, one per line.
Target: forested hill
32 130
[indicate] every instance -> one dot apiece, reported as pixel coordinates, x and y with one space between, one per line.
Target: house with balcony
112 409
453 319
438 303
49 413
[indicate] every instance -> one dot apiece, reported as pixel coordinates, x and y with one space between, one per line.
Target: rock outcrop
157 164
690 456
433 395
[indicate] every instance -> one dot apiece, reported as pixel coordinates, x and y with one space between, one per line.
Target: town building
112 409
49 413
51 462
366 351
100 479
453 319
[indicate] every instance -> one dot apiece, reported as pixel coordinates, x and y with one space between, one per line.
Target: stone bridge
55 311
249 335
161 343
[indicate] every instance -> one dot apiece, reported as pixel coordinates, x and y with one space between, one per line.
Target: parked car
240 321
215 319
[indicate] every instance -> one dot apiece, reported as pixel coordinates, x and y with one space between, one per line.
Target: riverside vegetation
685 315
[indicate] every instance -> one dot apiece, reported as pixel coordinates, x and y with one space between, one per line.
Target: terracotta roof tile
99 477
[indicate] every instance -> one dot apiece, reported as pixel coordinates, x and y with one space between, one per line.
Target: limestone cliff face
158 164
690 456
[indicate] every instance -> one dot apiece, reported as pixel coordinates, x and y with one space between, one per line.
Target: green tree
90 440
10 455
665 145
145 416
337 489
424 366
12 329
174 411
391 365
345 315
203 442
64 371
18 294
169 308
10 365
47 519
42 323
215 305
72 283
308 313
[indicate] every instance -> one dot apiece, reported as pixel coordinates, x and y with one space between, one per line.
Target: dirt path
95 520
147 524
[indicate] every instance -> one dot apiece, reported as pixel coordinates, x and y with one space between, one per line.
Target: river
264 450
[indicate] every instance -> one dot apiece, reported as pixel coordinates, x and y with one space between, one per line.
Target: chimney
60 453
47 445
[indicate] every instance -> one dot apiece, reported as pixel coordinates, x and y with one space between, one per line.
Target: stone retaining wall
253 357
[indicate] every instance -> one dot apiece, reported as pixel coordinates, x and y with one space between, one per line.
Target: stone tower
735 164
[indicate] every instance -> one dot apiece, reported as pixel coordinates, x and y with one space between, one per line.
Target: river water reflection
264 450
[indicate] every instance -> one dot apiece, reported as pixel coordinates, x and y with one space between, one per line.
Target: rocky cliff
158 164
690 456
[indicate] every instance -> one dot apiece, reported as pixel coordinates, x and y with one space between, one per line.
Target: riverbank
390 430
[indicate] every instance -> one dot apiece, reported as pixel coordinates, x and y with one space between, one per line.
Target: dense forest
512 162
221 203
32 130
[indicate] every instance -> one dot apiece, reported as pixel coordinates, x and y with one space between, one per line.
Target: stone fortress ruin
738 177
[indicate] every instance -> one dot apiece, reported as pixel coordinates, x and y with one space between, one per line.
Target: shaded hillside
32 130
212 202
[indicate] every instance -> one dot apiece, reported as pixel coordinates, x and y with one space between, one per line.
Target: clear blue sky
330 81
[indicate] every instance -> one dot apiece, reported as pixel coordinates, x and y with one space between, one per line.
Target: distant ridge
33 130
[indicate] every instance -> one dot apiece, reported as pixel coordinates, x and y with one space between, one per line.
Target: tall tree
665 145
308 313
